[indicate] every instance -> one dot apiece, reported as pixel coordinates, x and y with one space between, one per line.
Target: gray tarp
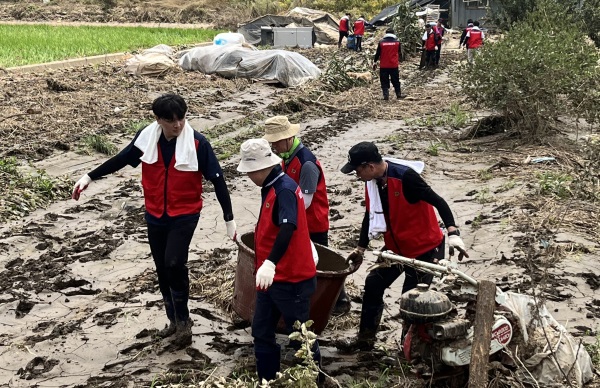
234 61
389 12
324 27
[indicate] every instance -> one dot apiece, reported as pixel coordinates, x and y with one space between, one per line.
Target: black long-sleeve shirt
415 189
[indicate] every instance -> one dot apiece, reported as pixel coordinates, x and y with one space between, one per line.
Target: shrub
406 27
541 69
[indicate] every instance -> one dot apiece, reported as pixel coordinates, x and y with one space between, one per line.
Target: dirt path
78 296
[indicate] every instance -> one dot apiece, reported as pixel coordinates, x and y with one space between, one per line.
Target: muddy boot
168 331
362 342
183 334
342 305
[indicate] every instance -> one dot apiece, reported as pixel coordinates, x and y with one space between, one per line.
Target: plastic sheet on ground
538 330
232 61
151 62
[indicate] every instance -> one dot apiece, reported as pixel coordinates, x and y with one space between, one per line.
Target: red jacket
432 40
180 192
317 214
297 263
359 27
344 24
475 39
412 229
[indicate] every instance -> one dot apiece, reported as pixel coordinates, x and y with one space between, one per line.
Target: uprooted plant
542 69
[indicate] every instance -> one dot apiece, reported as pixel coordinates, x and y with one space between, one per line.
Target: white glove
265 275
455 242
231 229
81 185
315 254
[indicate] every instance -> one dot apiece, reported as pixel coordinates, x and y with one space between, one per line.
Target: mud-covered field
79 300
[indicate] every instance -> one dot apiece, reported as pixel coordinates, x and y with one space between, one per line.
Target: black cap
361 153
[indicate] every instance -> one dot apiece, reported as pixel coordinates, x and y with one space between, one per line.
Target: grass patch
453 117
554 184
100 143
25 191
30 44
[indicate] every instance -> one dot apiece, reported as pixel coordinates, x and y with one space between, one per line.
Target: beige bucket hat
279 128
256 155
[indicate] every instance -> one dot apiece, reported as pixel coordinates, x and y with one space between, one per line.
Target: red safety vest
297 263
359 27
431 41
389 54
317 214
344 24
183 189
412 229
475 40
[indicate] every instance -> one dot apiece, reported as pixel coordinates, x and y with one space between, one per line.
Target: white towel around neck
377 223
186 158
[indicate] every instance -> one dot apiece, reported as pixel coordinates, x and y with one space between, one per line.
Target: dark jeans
342 35
169 246
437 54
380 279
290 300
430 56
387 75
359 42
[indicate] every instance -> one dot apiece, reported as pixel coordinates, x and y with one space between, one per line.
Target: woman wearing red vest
344 28
286 271
174 160
303 167
388 51
430 44
409 226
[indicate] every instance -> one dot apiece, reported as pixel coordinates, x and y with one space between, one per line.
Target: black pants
430 56
437 54
169 246
342 35
358 42
387 75
380 279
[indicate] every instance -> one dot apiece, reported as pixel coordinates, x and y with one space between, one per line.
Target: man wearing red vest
359 31
463 36
344 28
474 40
300 164
409 225
174 160
286 271
430 45
388 52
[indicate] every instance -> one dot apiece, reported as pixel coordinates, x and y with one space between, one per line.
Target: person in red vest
388 53
344 28
174 159
401 206
430 45
359 31
440 31
285 268
474 40
303 167
463 36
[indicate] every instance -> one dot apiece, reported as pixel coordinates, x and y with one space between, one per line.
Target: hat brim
348 168
291 131
257 165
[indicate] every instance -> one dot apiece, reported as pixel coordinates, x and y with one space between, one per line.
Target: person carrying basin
400 205
284 260
174 159
300 164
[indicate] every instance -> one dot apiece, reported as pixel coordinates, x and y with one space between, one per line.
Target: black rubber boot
168 331
362 342
342 305
183 334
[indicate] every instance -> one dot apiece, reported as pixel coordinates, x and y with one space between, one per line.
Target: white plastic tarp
543 333
233 61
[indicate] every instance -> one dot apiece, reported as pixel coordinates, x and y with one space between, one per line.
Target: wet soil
79 300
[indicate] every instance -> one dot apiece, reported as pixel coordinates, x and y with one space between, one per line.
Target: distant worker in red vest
344 28
401 206
174 159
463 36
440 30
284 264
388 54
300 164
474 40
359 31
430 45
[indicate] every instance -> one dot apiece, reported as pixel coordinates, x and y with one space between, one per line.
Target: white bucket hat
257 155
279 128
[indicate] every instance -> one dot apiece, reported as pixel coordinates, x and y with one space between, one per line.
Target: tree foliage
542 68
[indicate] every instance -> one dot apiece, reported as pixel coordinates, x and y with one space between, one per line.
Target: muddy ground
79 302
